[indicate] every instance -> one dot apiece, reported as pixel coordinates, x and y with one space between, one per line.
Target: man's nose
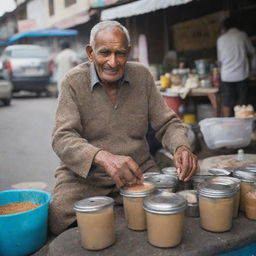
112 60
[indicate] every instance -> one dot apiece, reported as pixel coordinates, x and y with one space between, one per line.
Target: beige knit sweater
86 121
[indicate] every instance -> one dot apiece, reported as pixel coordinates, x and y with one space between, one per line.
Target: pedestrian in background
233 48
65 60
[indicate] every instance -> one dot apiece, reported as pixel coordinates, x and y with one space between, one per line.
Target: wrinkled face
109 54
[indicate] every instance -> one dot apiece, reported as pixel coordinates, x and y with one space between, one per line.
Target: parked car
27 67
5 89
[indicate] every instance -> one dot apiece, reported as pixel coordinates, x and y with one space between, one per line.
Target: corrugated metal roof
139 7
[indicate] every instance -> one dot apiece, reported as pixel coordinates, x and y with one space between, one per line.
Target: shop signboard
201 33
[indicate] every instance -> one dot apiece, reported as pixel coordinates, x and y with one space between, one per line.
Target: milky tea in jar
133 204
225 180
162 181
96 222
250 204
165 212
216 206
248 178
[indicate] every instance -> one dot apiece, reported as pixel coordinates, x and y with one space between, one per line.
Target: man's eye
104 53
121 54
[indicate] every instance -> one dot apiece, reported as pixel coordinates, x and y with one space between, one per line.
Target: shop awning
139 7
43 33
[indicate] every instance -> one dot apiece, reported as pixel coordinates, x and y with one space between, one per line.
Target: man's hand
122 169
185 162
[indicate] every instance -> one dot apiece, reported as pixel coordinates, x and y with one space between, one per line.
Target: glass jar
247 183
232 182
96 222
165 212
216 206
163 181
133 204
170 170
250 205
148 175
191 197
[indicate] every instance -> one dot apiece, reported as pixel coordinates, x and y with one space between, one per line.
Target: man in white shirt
65 60
234 47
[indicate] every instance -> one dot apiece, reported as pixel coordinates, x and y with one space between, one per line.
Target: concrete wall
34 11
63 14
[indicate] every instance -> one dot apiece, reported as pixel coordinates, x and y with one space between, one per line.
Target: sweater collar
96 81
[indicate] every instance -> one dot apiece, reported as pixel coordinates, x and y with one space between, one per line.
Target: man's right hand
122 169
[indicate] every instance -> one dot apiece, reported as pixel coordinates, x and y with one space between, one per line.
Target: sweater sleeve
170 130
73 150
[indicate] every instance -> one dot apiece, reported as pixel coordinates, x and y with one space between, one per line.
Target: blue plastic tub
26 232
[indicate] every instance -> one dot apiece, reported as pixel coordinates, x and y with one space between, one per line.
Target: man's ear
89 52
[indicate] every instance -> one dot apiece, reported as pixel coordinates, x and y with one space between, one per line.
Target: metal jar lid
93 204
215 190
190 196
165 203
163 180
248 168
170 170
148 175
139 190
225 180
245 175
219 172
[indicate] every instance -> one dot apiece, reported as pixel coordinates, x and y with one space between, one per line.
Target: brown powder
139 187
17 207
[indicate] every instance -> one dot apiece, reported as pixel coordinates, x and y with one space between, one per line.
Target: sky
6 6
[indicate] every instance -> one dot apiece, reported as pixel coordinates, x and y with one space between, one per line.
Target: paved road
26 156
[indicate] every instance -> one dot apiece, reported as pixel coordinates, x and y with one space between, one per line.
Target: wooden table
212 94
195 240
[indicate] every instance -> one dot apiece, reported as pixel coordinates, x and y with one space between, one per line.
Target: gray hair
108 24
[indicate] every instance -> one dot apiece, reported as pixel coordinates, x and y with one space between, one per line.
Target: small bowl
192 209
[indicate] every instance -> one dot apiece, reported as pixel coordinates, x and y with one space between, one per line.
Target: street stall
195 241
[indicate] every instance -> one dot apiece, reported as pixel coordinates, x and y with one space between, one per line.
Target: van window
29 53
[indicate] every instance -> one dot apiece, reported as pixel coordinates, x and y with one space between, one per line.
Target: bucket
25 232
189 118
174 102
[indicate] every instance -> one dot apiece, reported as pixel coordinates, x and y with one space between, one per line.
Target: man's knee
59 218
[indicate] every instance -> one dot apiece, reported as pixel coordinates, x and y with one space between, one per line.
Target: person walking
65 61
233 49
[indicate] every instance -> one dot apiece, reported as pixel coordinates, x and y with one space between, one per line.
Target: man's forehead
104 33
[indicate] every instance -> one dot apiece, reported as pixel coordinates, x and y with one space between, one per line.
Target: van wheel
7 102
38 94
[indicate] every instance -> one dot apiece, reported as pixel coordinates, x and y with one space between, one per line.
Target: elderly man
104 110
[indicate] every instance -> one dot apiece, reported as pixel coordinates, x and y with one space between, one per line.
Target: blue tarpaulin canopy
43 33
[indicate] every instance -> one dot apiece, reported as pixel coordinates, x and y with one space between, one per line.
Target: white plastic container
226 132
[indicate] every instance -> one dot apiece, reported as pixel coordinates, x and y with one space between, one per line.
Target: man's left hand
186 163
